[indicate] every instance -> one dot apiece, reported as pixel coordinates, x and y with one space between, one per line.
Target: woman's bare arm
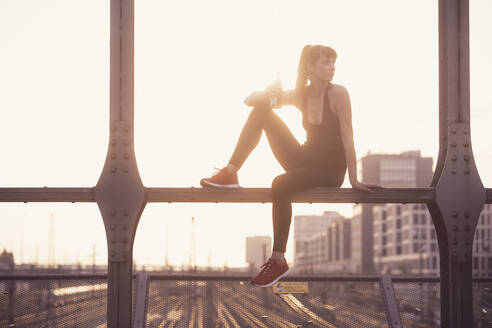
343 109
289 97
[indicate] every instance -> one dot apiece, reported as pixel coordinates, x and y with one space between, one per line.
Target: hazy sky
195 62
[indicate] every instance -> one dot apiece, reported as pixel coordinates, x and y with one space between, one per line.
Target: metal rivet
465 131
467 215
113 169
125 253
453 171
114 142
124 240
113 213
466 157
125 169
455 242
124 226
125 212
455 228
453 130
127 156
467 227
465 144
126 142
453 144
126 129
454 158
467 171
115 128
454 214
112 226
113 253
113 241
113 156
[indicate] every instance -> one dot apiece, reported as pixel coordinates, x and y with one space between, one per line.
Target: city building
258 250
327 251
482 244
405 241
405 170
306 226
6 261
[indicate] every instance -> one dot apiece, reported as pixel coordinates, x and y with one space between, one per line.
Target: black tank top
323 144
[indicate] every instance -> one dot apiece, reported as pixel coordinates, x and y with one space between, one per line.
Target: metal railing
228 300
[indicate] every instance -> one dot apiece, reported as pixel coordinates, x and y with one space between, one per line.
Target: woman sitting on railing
320 162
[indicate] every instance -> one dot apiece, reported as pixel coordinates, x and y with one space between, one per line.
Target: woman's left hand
365 186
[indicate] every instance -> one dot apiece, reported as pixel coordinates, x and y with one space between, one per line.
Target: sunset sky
195 62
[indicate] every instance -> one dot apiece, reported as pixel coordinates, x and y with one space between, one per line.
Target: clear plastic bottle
276 98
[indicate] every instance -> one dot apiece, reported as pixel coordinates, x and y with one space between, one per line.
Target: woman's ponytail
302 70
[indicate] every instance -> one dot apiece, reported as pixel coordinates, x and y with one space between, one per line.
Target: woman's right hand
367 187
255 98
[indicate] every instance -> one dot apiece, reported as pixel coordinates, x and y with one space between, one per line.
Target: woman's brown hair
309 55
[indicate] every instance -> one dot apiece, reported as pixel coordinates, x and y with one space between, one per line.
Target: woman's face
323 69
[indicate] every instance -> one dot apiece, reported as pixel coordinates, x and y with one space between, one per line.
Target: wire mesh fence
482 304
53 303
69 301
235 303
418 303
226 301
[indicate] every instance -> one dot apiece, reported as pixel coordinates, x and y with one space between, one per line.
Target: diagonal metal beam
141 300
392 311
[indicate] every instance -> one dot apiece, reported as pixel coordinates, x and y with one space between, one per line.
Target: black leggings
292 156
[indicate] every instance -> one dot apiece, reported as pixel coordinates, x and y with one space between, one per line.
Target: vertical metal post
119 193
11 291
392 312
460 195
141 300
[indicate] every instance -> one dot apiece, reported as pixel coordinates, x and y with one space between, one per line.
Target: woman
320 162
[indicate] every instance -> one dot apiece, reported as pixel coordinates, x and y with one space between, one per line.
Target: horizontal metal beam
45 194
220 276
55 276
263 195
242 195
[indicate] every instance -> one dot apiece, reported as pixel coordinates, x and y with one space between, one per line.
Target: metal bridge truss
455 197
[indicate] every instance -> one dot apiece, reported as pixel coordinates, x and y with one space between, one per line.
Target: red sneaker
222 179
272 271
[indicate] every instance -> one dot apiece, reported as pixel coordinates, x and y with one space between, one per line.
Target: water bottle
276 98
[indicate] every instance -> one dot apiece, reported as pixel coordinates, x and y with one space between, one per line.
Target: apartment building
405 241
